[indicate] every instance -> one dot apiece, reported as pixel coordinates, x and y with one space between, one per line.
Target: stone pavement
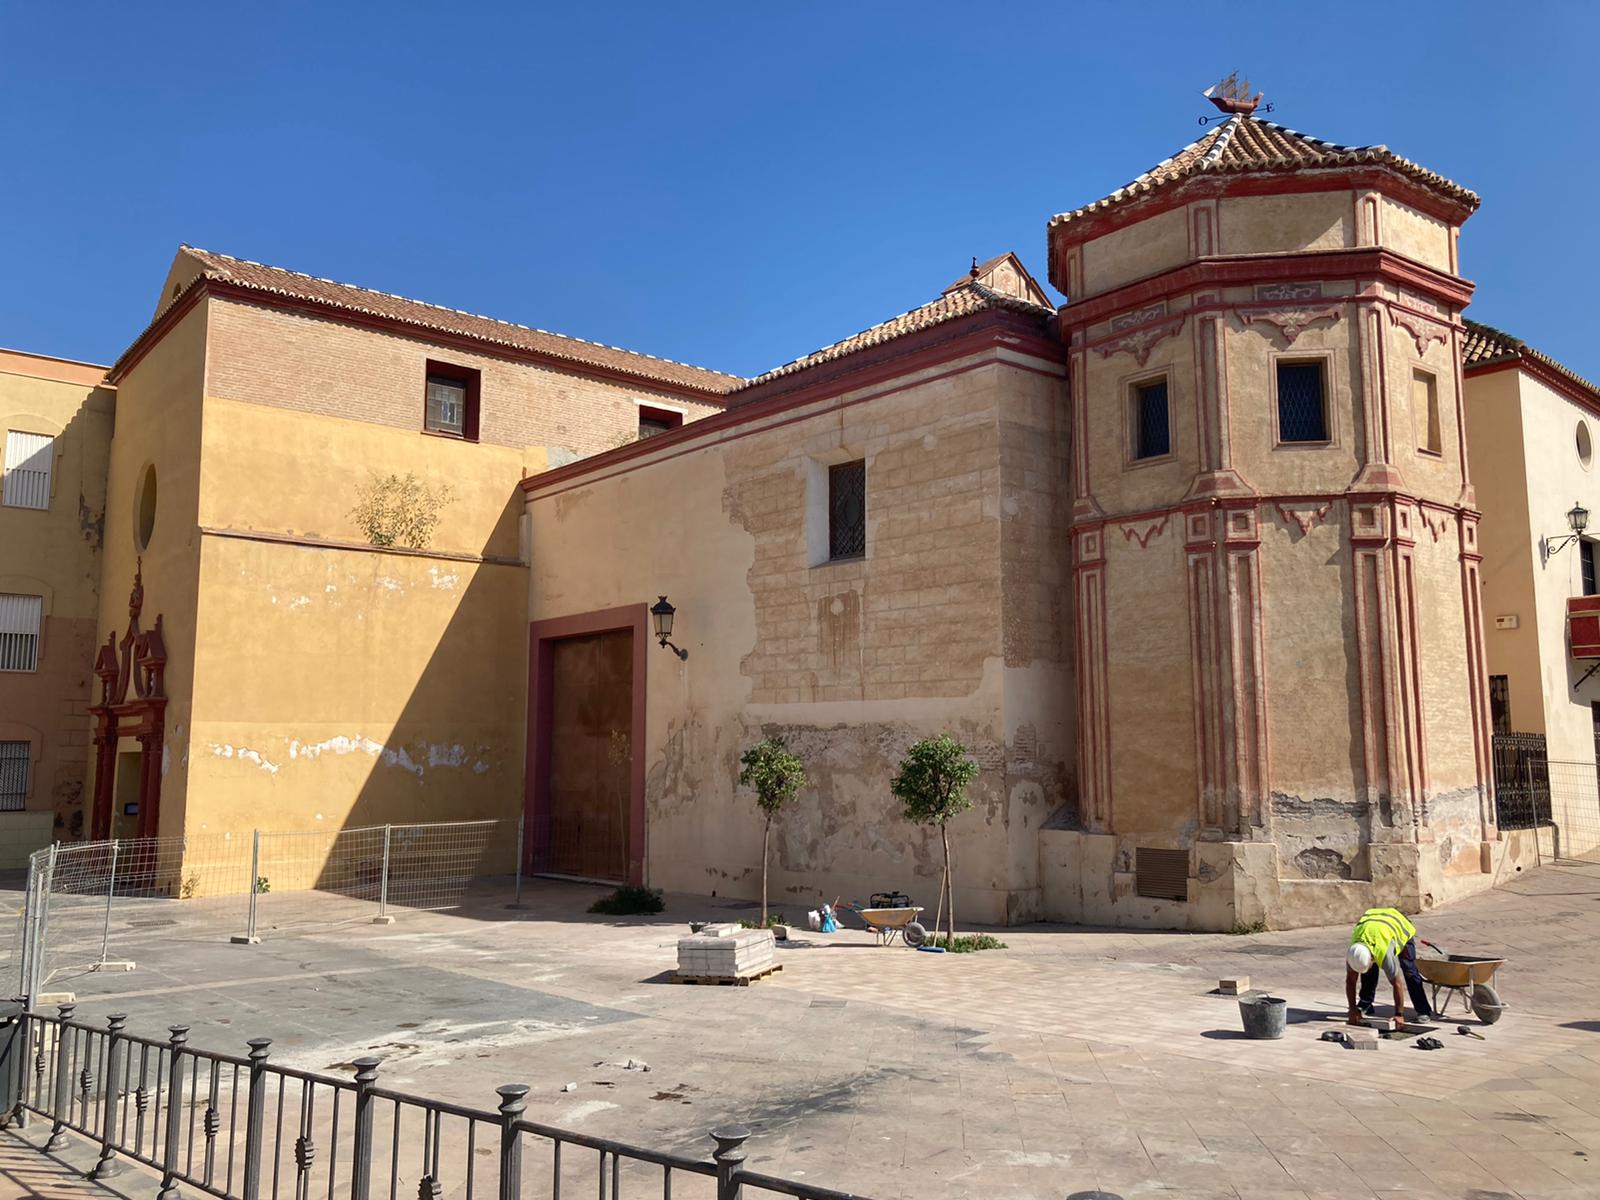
1074 1060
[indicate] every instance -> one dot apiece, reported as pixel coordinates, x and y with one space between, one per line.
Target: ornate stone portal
139 661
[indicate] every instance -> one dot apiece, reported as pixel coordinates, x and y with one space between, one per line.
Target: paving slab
1075 1059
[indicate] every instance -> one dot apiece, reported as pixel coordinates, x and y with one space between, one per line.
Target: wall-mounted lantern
661 614
1577 521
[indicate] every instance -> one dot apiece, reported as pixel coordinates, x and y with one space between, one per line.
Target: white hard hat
1358 958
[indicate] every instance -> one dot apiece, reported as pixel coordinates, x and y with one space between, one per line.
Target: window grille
1302 408
847 509
27 470
19 632
447 406
1586 556
13 775
1152 431
1500 703
1161 874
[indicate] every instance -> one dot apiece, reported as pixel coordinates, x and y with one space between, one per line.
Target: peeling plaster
445 580
388 583
244 754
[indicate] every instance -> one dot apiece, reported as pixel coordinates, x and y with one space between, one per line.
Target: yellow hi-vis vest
1380 929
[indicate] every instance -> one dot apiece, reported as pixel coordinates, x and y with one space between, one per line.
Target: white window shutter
27 476
19 632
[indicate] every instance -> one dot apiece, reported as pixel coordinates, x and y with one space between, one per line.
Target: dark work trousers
1414 981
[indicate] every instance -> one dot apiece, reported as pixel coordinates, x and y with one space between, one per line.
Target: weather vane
1232 98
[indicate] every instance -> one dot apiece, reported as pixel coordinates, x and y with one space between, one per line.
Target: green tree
776 776
932 785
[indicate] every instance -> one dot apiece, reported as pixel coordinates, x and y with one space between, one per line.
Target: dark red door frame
139 661
541 680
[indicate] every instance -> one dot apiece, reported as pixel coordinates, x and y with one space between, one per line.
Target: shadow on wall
456 749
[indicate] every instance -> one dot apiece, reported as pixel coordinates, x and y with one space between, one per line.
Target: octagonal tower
1281 707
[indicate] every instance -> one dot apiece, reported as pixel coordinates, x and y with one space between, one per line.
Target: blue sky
729 184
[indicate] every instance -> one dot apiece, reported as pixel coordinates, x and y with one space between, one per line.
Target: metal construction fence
1558 799
241 1127
92 905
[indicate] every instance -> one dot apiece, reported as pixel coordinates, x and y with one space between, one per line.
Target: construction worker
1383 938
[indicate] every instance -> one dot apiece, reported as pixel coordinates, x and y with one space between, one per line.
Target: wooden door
591 742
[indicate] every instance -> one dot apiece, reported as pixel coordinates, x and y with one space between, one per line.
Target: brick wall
290 360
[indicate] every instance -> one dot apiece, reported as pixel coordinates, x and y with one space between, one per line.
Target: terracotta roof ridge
203 253
1486 344
960 301
1268 147
1224 135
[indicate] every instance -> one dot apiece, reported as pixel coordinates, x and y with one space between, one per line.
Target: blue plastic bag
829 925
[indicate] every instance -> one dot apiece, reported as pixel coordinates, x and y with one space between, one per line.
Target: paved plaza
1074 1060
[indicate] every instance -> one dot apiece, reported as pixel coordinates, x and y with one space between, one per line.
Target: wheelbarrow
1464 975
890 923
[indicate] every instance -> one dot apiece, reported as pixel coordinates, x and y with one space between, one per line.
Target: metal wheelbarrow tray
1467 976
889 923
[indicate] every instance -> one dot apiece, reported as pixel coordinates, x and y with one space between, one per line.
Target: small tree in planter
932 785
776 776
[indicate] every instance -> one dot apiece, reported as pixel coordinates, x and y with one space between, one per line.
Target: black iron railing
245 1128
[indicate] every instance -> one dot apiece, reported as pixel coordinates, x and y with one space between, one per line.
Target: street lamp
661 614
1577 521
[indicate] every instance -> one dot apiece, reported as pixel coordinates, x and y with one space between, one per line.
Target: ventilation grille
1162 874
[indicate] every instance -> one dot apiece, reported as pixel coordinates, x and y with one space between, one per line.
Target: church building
1190 563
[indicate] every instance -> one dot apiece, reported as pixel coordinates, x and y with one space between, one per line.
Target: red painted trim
426 334
541 681
1181 192
1369 263
696 434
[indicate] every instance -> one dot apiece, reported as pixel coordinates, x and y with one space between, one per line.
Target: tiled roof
1485 344
293 285
960 301
1244 143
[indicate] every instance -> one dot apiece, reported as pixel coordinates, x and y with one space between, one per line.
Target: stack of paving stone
725 952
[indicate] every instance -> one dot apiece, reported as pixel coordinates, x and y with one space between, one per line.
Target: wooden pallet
728 980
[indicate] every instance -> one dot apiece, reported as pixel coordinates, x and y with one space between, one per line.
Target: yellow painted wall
54 553
1533 429
158 423
340 685
1500 467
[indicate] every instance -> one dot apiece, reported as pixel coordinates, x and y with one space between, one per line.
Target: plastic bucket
1263 1016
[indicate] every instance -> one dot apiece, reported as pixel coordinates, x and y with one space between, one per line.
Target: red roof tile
1243 143
960 301
293 285
1484 345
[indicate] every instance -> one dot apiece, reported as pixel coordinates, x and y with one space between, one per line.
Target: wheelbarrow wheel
1486 1005
914 933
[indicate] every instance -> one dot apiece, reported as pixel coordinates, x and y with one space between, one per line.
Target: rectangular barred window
1586 560
27 470
847 509
1425 411
19 632
13 775
1152 434
1302 402
450 401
